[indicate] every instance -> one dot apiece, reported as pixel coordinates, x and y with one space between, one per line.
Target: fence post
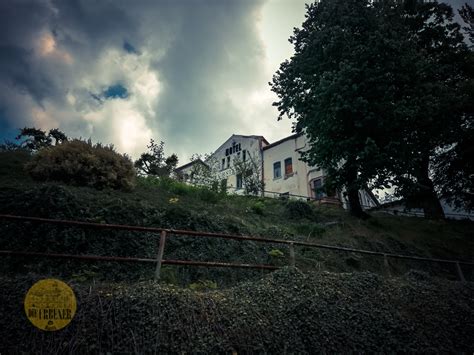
460 274
159 257
292 255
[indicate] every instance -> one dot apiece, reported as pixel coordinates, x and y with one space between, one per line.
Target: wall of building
223 165
298 182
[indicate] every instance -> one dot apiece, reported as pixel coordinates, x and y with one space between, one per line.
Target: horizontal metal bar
141 260
79 257
219 264
224 236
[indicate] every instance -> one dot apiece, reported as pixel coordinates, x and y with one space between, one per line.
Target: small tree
34 139
250 171
203 171
58 136
154 162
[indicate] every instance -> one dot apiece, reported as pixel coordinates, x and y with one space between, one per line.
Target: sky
190 73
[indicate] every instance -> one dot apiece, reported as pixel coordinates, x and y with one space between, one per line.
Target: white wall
251 145
296 183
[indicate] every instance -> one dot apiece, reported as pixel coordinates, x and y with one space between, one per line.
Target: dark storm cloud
197 50
216 47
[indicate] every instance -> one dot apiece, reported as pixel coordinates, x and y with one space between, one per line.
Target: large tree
365 84
454 163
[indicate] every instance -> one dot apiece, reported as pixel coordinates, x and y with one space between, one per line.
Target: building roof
293 136
240 135
190 164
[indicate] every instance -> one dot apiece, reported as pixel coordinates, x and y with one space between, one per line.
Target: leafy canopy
376 87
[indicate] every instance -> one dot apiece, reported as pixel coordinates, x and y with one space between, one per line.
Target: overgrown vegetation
287 311
82 163
210 310
164 202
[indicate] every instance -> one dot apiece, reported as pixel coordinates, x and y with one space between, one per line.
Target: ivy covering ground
285 312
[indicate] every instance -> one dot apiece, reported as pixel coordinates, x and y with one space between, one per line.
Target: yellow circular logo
50 304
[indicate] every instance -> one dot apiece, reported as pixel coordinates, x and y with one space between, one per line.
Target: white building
279 167
237 147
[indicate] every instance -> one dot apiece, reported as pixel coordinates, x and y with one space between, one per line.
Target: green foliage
154 162
297 209
310 229
276 253
82 163
258 207
34 139
207 195
9 146
223 187
203 285
362 69
250 171
305 313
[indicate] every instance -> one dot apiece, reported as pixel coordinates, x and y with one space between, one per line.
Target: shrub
296 209
82 163
276 253
207 195
258 208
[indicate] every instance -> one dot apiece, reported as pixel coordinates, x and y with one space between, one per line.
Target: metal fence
166 233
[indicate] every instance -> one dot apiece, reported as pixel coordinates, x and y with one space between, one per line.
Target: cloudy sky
188 72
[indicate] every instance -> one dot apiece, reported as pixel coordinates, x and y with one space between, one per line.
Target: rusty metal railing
165 232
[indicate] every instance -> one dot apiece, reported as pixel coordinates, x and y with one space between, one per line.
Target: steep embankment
164 203
121 310
286 312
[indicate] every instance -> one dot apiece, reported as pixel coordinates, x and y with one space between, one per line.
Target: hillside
331 293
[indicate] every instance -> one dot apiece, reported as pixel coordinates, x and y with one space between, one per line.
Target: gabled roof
190 164
242 136
293 136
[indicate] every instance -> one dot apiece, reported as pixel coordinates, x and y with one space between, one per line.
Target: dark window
277 170
228 161
239 147
227 152
288 166
223 163
239 181
318 189
244 155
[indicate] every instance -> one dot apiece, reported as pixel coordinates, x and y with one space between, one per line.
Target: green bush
276 253
296 209
208 195
258 208
82 163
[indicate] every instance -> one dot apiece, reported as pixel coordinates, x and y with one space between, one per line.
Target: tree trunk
429 200
355 208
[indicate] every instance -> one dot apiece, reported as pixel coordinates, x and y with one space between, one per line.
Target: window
277 170
244 155
227 152
318 188
239 181
223 164
228 161
288 166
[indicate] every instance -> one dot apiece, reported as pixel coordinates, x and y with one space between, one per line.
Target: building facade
278 165
238 148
